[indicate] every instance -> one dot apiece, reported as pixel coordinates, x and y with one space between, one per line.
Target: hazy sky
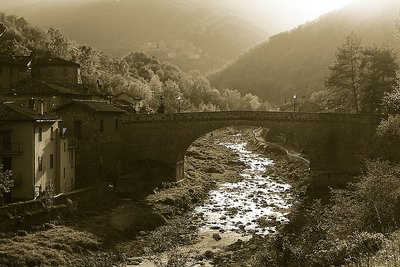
277 15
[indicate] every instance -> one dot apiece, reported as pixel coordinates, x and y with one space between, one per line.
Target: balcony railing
10 149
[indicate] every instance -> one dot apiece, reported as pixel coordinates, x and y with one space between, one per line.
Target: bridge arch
335 143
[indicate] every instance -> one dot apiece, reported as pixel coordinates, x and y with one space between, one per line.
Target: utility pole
294 103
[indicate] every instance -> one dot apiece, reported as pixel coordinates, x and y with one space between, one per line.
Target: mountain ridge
296 61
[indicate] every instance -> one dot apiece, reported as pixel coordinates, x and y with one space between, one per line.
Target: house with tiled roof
53 69
128 102
12 70
52 94
35 148
15 69
96 126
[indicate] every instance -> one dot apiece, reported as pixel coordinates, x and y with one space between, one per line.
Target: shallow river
255 205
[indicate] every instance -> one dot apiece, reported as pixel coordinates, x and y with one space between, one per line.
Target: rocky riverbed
244 204
231 202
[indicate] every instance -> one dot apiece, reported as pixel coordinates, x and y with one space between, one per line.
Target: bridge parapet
255 116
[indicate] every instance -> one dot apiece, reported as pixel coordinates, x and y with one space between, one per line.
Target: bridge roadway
334 143
255 115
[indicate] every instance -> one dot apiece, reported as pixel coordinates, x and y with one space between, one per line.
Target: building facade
96 125
12 70
33 147
15 69
56 70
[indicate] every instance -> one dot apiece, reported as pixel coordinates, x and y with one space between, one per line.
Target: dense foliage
6 183
296 62
137 73
353 225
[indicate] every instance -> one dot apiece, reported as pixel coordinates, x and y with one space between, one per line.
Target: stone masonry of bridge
334 143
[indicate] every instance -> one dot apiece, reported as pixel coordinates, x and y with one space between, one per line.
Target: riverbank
159 228
102 237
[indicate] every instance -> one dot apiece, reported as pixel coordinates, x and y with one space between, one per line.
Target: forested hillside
297 61
191 34
158 82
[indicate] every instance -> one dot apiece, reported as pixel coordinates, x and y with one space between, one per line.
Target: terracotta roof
54 61
96 106
33 87
18 112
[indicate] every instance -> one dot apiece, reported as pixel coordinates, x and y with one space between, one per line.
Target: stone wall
97 152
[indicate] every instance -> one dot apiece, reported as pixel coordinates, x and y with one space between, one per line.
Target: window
51 161
78 129
64 173
101 126
40 164
51 133
11 71
65 146
72 159
116 123
40 134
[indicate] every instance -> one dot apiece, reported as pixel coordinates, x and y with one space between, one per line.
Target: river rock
209 254
216 237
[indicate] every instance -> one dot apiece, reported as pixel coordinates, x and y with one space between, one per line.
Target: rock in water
217 237
209 254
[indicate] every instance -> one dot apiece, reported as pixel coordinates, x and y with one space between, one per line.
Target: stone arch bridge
334 143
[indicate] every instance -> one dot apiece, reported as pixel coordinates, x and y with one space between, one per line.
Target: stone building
96 125
12 70
54 69
15 69
33 147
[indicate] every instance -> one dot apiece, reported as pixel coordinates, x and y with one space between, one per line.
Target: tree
233 99
58 44
391 101
171 95
345 73
377 77
6 183
88 59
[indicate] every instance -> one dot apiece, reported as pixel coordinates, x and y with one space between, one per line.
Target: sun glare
315 8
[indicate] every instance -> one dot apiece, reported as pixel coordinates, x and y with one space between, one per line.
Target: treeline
158 83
